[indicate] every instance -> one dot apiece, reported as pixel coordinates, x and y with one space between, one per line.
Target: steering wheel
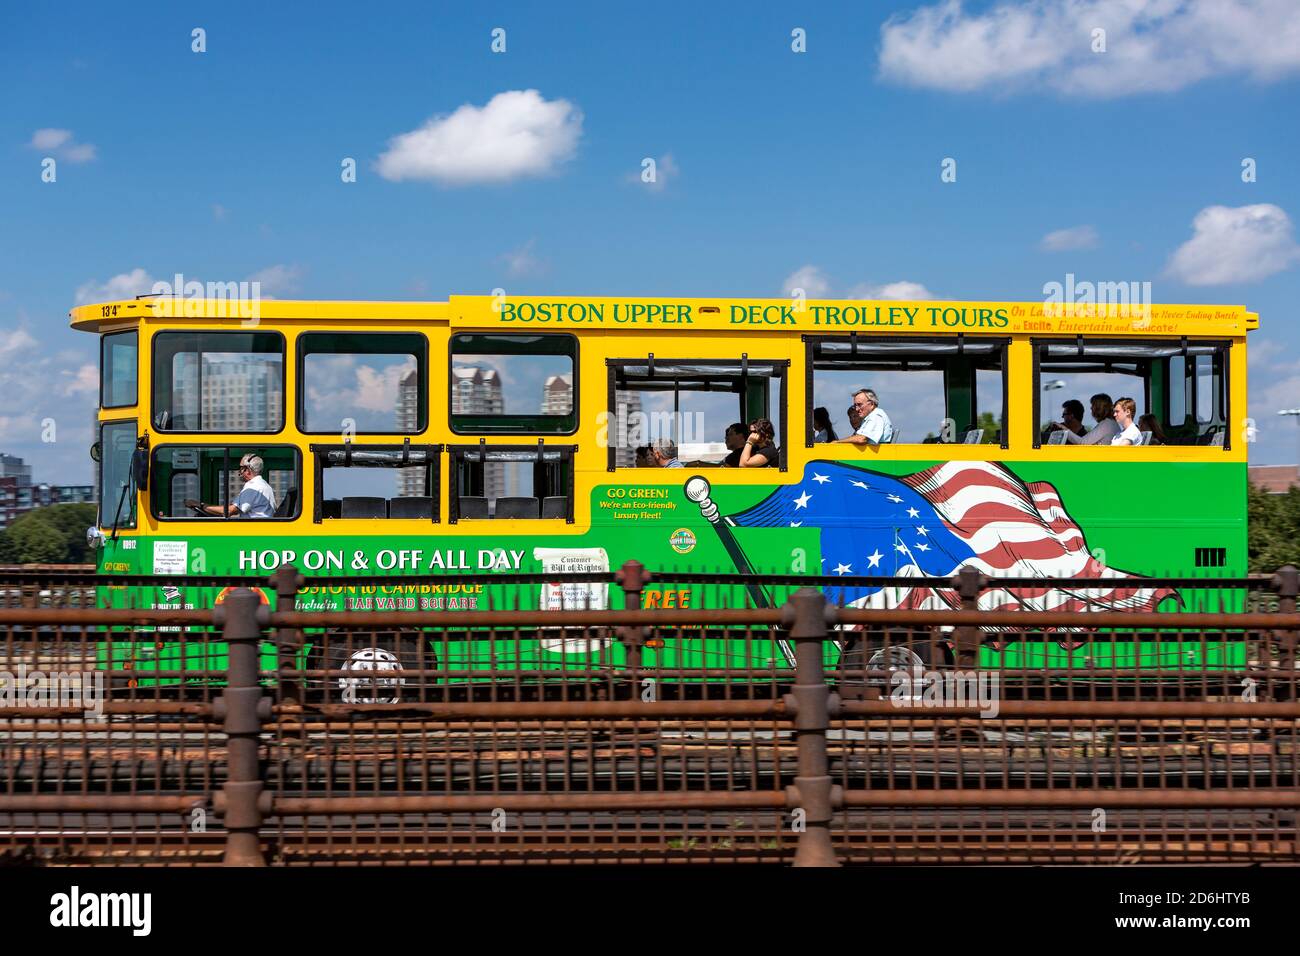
197 507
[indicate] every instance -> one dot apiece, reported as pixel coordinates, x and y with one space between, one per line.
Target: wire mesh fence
261 730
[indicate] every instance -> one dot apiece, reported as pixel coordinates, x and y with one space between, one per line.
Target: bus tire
380 661
879 650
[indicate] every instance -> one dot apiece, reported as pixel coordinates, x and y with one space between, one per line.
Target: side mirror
95 453
94 538
140 468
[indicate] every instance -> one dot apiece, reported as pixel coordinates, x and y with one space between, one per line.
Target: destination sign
757 315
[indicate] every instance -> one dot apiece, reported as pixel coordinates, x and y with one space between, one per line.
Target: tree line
55 534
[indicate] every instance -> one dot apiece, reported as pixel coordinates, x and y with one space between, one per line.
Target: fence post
242 708
288 640
969 583
1286 582
805 614
632 577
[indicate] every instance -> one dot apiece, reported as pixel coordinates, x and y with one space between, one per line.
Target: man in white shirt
1129 434
255 500
876 428
1103 411
664 453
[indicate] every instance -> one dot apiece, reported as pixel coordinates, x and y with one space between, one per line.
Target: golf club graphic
697 489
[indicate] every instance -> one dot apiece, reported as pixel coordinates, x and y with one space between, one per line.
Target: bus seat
472 506
359 506
555 506
415 506
331 508
517 508
288 504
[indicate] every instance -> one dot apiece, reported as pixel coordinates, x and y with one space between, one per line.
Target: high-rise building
243 393
477 391
628 430
557 395
15 489
410 481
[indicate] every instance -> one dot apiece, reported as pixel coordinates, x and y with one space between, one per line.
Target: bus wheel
376 666
887 652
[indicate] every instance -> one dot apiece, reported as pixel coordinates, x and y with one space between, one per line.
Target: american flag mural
934 522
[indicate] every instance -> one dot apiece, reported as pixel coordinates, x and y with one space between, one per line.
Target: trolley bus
486 436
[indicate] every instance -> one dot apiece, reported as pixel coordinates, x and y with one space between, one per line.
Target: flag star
901 547
874 558
802 500
894 498
922 546
843 568
859 484
913 513
795 524
921 530
820 479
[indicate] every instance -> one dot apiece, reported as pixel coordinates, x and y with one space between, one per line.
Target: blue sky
225 165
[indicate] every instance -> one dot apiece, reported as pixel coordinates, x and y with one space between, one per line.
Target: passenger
823 430
1149 423
760 449
1071 420
1102 410
664 452
734 439
643 459
256 500
875 428
854 419
1129 433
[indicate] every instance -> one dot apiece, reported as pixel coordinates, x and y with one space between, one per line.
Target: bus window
940 390
523 384
376 481
218 381
374 382
511 481
210 474
1164 378
118 360
691 402
116 489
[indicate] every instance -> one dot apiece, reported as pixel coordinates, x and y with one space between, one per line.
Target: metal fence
806 733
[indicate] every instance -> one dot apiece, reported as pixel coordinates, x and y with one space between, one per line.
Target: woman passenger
760 449
823 430
1149 423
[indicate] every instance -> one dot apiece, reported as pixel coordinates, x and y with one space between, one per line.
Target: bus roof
1112 315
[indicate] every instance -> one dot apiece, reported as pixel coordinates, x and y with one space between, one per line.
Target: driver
256 500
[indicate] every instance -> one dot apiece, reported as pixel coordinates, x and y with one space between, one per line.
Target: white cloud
82 380
1235 244
1066 240
517 134
219 212
812 280
126 285
817 285
523 263
62 144
278 279
891 290
1152 46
